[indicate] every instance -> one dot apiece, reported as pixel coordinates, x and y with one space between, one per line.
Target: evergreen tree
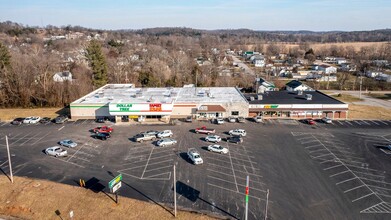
97 63
5 57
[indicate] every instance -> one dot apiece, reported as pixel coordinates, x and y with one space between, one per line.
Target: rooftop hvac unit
300 92
252 98
308 96
260 97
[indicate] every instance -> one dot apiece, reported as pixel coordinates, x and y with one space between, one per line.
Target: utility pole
174 192
267 203
9 159
360 84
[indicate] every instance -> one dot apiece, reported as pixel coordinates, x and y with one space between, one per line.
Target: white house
372 74
295 85
62 76
326 69
264 86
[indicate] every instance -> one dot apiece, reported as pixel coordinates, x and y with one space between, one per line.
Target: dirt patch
11 113
40 199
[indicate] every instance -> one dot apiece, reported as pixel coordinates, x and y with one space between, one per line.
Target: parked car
194 156
17 121
219 121
310 121
60 119
56 151
326 120
258 119
385 147
31 120
103 129
235 139
144 137
238 132
152 132
189 119
232 119
45 120
204 130
218 149
213 138
165 142
165 134
100 120
68 143
241 120
101 136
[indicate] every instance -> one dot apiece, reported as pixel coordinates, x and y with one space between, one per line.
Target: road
247 69
367 100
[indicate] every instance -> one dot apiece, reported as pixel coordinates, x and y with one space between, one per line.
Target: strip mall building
124 102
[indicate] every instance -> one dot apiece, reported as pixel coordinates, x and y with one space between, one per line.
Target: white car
165 142
31 120
194 156
213 138
232 119
164 134
56 151
258 119
327 120
219 121
218 149
238 132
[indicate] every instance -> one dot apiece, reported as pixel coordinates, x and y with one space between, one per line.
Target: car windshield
196 156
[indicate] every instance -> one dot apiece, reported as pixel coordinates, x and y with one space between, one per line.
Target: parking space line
376 181
211 158
131 168
322 149
363 168
339 122
318 145
344 181
166 155
331 160
321 155
4 163
365 122
13 143
76 152
147 163
346 171
357 187
357 122
3 124
249 161
381 176
84 121
61 128
236 192
153 177
239 154
329 168
68 162
159 168
382 122
223 180
362 197
30 138
219 172
382 188
374 122
233 171
381 194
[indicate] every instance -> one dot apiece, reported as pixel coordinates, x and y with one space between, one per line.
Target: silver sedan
165 142
218 149
68 143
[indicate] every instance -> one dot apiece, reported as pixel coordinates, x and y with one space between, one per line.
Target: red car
103 129
310 121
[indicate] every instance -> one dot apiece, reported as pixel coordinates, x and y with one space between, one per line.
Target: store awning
211 108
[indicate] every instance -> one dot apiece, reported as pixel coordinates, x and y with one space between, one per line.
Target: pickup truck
103 129
144 137
204 130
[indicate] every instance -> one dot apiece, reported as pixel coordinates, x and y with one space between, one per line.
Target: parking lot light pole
174 192
9 159
247 189
267 203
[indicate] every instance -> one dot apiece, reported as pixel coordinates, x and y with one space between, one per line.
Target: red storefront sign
155 107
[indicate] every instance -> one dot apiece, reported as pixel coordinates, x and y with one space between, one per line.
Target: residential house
295 85
372 74
314 76
261 85
258 60
62 76
326 69
335 60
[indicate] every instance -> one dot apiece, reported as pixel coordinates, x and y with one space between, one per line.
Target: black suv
103 136
17 121
235 139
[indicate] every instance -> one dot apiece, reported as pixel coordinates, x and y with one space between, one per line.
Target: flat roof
127 93
287 97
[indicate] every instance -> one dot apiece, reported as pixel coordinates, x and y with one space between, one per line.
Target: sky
313 15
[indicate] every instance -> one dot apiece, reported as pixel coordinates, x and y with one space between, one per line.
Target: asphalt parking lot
323 171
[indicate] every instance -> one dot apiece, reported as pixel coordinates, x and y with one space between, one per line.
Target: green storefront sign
124 107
